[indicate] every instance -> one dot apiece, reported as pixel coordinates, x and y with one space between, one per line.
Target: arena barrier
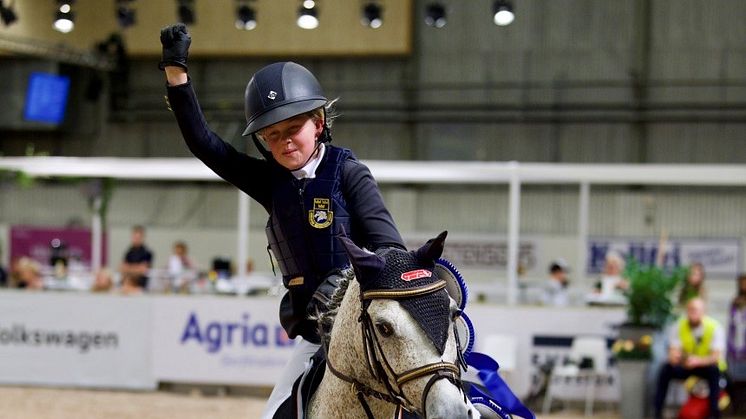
112 341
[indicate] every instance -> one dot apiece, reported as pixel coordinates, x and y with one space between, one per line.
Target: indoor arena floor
52 403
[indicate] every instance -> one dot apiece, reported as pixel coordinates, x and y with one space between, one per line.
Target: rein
381 369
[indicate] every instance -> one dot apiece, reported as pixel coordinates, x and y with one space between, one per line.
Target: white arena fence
135 342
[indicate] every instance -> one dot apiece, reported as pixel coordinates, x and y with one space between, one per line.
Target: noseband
381 369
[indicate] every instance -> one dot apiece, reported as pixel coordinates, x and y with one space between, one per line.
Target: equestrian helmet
280 91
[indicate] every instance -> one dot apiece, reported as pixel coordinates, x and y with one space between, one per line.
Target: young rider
310 189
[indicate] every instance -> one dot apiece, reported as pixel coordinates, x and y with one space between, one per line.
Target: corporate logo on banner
217 335
219 340
82 341
720 257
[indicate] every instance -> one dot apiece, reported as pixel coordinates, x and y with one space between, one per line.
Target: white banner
484 252
75 339
721 257
224 340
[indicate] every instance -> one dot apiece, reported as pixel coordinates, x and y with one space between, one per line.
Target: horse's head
409 353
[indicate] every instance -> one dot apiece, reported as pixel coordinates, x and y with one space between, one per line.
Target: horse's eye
385 329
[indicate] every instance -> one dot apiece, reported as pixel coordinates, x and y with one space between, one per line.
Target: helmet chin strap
263 151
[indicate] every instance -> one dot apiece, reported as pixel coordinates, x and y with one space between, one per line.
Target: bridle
381 369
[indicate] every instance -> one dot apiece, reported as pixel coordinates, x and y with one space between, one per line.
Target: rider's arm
372 224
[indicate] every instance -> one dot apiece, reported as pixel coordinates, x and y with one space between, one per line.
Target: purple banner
44 243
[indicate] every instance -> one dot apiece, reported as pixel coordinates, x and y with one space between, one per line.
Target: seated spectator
103 282
139 259
131 284
611 281
737 331
3 273
28 274
694 285
180 267
696 347
59 258
555 290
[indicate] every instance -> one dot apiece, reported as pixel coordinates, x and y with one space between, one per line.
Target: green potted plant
650 306
650 292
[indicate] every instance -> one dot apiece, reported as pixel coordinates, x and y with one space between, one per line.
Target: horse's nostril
469 414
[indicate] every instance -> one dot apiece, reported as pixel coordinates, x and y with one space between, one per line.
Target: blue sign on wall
46 98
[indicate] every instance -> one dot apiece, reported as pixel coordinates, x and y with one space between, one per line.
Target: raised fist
175 40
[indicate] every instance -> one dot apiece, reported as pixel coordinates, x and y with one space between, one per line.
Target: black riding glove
175 40
323 294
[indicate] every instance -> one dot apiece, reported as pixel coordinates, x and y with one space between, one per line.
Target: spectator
3 274
611 281
694 285
139 259
28 273
180 266
696 347
737 331
58 258
555 291
131 284
103 282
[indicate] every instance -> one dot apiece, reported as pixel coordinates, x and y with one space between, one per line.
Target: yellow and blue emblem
321 215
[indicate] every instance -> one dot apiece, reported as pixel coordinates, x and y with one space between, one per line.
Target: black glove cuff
163 64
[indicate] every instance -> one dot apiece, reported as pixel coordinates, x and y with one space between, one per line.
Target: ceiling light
307 18
245 17
7 14
125 13
372 15
435 15
503 11
64 18
186 12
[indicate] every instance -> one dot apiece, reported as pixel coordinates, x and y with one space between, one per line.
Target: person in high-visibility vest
696 347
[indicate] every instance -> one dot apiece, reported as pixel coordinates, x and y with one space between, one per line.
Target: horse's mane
326 315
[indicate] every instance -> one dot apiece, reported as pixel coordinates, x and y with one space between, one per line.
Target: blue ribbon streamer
499 397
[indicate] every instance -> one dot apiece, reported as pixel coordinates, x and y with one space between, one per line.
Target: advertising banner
75 340
43 244
721 257
223 340
489 253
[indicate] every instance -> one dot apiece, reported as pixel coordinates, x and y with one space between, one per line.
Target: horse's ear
433 249
367 265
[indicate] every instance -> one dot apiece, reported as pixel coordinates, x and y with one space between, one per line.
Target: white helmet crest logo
272 94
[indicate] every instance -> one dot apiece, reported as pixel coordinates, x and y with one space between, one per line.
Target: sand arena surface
52 403
55 403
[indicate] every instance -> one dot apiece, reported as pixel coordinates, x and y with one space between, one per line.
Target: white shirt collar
309 170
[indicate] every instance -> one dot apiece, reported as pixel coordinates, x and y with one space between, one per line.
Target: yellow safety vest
689 344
